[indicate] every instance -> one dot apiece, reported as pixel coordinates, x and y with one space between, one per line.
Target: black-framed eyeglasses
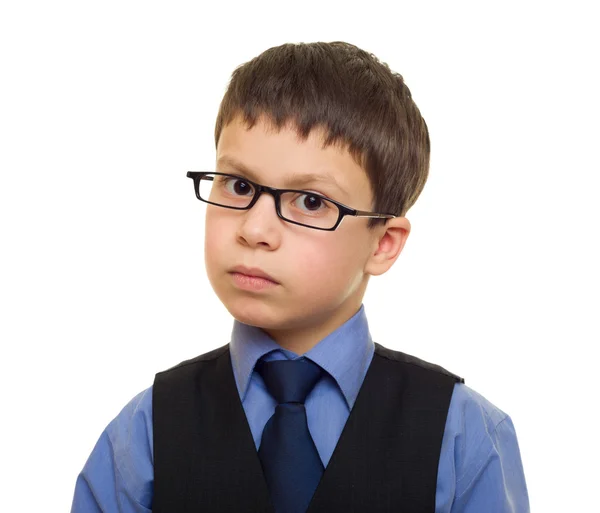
303 208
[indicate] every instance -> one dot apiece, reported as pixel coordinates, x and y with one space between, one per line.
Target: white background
105 105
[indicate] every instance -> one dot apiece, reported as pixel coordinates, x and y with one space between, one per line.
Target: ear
389 240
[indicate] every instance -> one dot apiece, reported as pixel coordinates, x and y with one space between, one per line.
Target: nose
260 226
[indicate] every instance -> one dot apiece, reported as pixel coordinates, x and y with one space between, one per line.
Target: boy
320 153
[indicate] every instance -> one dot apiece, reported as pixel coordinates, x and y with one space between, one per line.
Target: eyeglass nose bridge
276 193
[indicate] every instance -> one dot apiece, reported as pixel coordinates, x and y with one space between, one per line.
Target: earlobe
389 243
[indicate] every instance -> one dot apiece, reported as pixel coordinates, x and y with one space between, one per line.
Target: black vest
386 459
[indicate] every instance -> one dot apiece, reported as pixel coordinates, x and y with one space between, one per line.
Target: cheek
217 226
212 237
216 233
329 265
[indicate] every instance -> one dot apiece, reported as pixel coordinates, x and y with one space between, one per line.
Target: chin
254 312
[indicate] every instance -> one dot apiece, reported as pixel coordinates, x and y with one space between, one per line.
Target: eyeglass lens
299 207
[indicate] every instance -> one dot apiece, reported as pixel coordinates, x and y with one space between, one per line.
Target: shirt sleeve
118 475
488 468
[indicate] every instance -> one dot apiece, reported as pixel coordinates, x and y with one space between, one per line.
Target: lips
253 271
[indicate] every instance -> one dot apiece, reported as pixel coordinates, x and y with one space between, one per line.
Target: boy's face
321 275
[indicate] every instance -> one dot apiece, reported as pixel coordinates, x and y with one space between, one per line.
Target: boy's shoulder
468 407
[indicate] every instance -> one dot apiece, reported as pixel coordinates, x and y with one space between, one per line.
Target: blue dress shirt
480 465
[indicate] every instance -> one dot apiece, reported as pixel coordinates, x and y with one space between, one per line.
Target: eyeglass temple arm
362 213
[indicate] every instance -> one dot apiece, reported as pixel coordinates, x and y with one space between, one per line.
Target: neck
301 339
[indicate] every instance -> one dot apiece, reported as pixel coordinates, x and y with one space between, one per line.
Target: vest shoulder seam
206 357
400 357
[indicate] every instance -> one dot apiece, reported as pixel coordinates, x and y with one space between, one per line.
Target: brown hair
356 98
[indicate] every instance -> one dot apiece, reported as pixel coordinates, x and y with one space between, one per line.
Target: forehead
280 158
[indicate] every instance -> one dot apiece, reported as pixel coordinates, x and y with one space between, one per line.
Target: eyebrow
293 180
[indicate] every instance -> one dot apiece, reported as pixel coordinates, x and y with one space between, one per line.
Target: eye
237 186
310 203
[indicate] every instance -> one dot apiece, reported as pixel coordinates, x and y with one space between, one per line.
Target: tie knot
289 381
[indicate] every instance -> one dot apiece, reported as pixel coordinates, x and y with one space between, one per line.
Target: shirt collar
345 354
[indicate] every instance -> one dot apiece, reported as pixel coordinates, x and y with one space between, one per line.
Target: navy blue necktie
289 458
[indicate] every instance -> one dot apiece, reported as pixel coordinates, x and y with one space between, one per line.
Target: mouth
253 272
